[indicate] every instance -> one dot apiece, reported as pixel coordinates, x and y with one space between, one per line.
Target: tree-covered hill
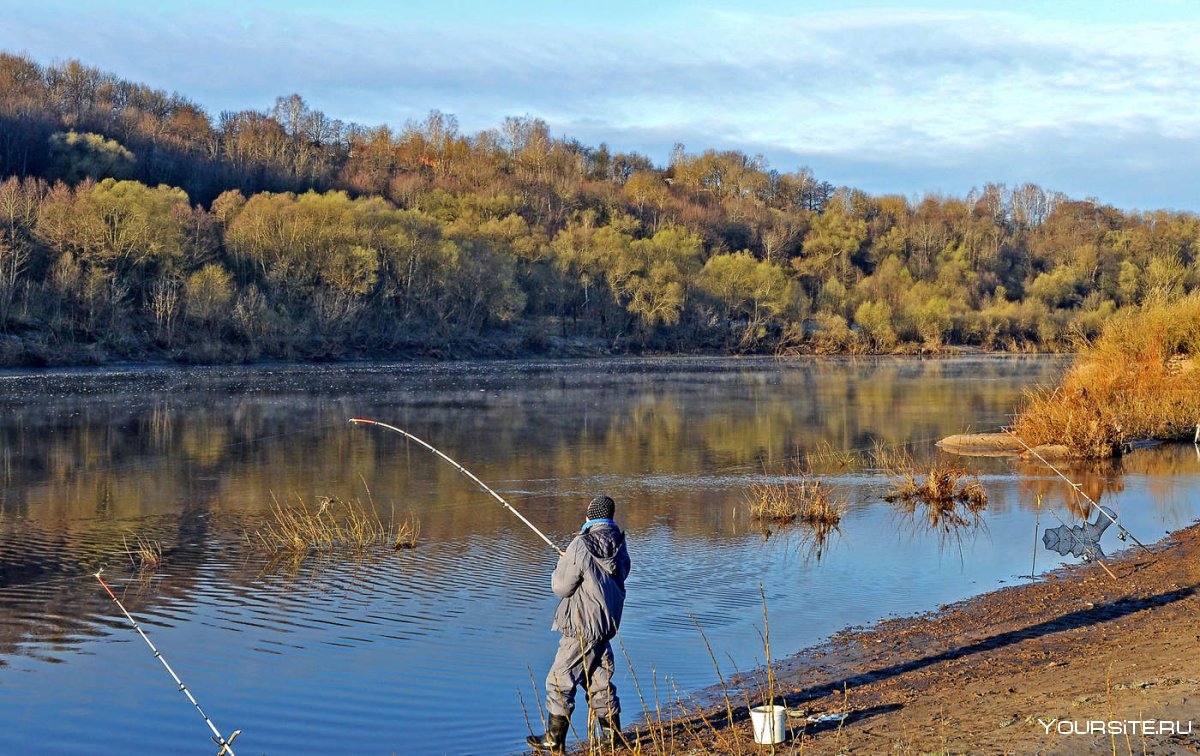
134 225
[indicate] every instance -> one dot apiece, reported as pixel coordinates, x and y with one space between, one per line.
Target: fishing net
1080 540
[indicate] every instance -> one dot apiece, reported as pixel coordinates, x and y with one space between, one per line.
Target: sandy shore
1072 650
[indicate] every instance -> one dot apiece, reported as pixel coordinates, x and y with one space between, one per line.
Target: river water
432 650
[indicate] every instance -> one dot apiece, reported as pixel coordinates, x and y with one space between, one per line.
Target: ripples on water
431 650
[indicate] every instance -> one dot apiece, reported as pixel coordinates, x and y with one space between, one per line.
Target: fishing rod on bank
1089 553
1121 531
226 745
464 471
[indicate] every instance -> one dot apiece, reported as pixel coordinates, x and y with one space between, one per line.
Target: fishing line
51 581
70 577
464 471
833 453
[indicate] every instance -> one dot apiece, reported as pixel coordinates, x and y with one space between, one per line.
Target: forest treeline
133 225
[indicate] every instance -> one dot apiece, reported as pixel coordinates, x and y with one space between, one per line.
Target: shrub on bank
1140 379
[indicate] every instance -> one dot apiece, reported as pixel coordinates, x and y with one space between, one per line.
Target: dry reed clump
821 512
830 458
951 498
406 532
1140 379
888 457
806 499
144 553
335 524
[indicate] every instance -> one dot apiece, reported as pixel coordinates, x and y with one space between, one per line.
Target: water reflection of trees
1163 468
140 449
191 457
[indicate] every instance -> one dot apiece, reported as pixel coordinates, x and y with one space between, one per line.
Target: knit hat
601 508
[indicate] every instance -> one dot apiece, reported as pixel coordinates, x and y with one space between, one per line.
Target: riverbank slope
1076 646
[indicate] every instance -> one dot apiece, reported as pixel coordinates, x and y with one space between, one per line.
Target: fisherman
590 580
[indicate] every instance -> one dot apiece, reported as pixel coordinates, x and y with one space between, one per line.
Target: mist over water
431 650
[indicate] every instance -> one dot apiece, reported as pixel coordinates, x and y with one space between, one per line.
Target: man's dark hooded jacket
590 579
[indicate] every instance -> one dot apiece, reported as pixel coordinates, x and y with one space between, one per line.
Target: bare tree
13 259
164 306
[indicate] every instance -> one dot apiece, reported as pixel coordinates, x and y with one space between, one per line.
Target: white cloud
854 92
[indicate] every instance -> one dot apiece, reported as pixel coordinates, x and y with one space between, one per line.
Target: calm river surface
431 650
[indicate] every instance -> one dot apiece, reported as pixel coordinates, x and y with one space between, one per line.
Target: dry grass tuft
827 457
334 524
889 457
821 512
406 533
1140 379
950 498
805 499
144 553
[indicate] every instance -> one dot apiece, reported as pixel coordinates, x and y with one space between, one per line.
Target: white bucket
768 723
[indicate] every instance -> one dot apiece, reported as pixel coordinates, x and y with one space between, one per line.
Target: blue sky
1094 99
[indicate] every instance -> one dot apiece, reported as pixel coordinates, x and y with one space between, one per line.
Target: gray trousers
579 664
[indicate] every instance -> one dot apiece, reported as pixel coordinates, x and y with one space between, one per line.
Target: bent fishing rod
464 471
226 745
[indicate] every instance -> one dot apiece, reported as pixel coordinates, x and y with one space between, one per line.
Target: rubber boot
555 738
610 732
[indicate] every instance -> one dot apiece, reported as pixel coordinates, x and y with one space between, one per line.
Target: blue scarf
597 521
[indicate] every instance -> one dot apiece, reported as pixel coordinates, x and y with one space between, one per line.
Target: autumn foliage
134 225
1140 380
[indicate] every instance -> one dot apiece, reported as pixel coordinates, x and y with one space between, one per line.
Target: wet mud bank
1076 662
